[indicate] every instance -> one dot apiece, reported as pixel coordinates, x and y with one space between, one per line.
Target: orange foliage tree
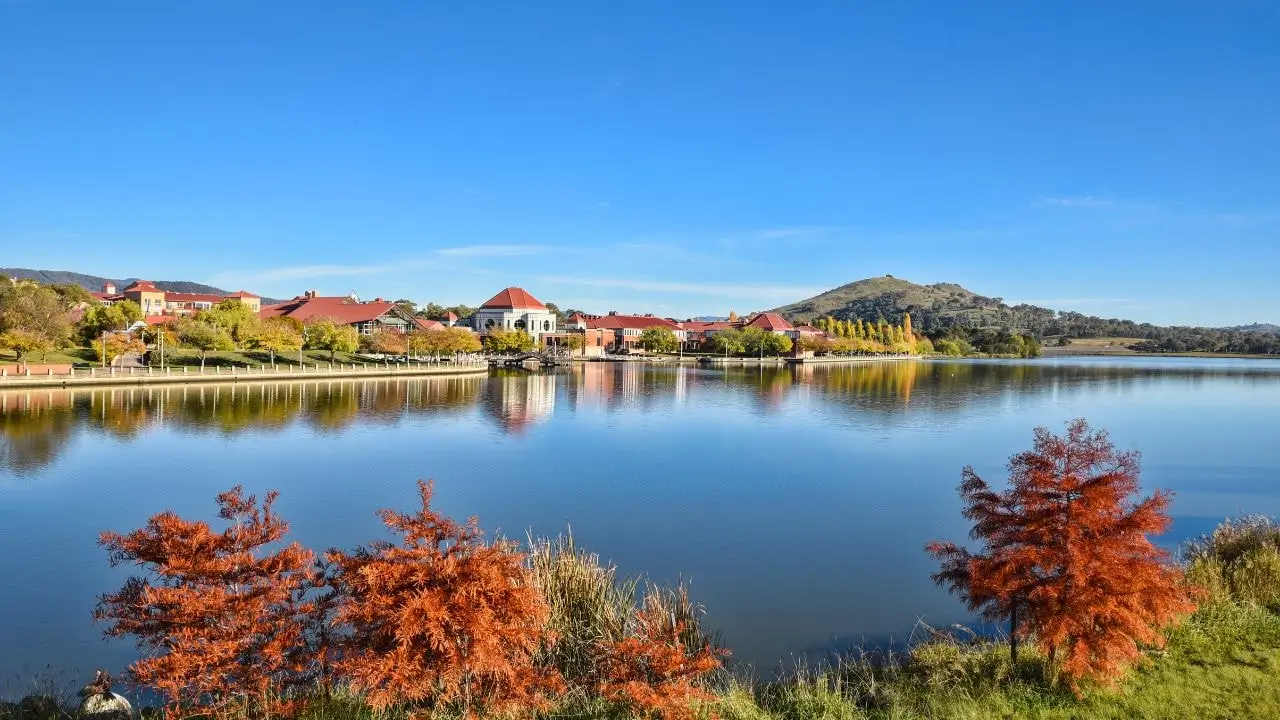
655 672
219 616
440 619
1066 556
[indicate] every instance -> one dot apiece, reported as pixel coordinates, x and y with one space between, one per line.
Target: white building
514 309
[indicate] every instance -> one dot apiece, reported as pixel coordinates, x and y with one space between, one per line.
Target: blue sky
1116 158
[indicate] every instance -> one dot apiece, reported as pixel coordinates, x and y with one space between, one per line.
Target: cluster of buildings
511 309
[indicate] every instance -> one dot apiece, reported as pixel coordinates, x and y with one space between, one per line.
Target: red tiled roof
192 297
104 296
142 286
451 316
242 294
810 330
429 324
770 321
631 322
159 319
513 298
342 309
703 326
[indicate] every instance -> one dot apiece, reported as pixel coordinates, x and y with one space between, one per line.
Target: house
156 302
626 330
366 317
772 322
514 309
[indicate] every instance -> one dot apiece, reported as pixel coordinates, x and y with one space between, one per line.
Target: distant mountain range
938 307
94 283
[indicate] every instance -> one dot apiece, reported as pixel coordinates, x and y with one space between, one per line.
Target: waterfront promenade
93 377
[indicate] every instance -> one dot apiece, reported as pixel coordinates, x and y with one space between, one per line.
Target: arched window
546 325
520 324
489 323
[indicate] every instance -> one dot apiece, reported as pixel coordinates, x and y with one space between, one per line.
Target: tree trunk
202 356
1013 636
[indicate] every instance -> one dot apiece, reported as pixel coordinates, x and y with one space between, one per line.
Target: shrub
1239 560
221 620
654 672
441 619
588 605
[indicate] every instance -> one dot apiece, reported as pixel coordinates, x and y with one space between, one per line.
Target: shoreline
107 377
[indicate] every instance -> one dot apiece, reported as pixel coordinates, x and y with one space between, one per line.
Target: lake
797 502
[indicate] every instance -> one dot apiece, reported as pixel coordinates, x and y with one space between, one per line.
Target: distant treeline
975 313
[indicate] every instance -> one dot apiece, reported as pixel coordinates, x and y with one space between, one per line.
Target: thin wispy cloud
788 292
309 272
1072 201
489 251
784 233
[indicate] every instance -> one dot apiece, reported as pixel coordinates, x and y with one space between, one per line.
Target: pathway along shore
97 377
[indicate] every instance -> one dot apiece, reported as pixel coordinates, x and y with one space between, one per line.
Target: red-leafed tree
655 672
219 616
441 618
1065 554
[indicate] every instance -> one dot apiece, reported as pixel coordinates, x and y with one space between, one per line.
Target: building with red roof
627 329
156 302
366 317
514 309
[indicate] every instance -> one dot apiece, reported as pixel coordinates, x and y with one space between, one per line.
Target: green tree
130 311
727 342
574 342
73 295
325 333
234 317
659 340
32 318
201 335
756 341
276 336
509 341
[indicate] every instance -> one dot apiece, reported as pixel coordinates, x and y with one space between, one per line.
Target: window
489 323
546 325
520 324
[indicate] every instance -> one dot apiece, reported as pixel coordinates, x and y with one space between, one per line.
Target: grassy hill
95 282
932 307
940 307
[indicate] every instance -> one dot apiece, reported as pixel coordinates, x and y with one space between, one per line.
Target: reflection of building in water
682 383
629 382
523 399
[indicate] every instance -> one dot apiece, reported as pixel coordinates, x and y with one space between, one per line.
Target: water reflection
39 425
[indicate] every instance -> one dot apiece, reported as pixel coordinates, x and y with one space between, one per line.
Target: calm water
796 502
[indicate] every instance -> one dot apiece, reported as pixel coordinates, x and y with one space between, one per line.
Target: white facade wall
535 322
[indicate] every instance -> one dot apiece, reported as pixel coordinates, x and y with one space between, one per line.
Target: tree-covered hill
94 283
938 308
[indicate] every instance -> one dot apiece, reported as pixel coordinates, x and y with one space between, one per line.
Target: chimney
109 288
613 312
310 294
